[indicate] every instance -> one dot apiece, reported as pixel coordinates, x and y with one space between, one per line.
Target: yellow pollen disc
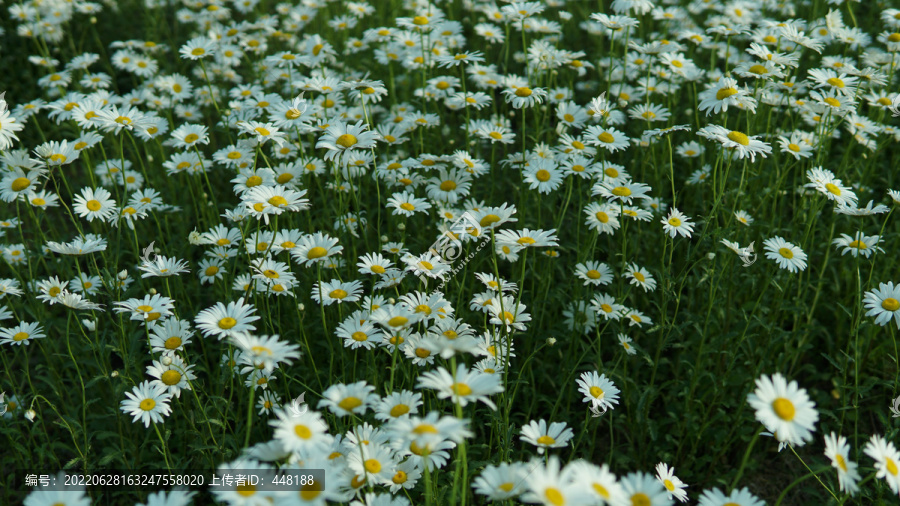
93 205
173 343
171 377
524 91
841 462
399 410
891 466
427 265
423 308
337 293
496 135
602 217
262 246
640 499
448 185
81 145
227 323
317 252
833 188
568 118
20 183
648 115
739 138
606 137
359 336
377 269
461 389
546 440
759 70
858 245
422 353
793 147
578 145
894 37
20 336
836 82
442 85
621 191
54 291
262 131
399 478
554 496
372 466
638 276
147 404
725 93
784 409
420 20
258 207
601 490
833 102
189 138
596 392
675 222
786 253
302 431
351 403
594 274
406 206
398 321
345 141
278 201
890 304
542 176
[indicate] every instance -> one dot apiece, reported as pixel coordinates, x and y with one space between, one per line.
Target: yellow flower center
227 323
594 274
278 201
302 431
606 137
349 404
725 93
640 499
359 336
784 409
189 138
337 293
890 304
739 137
759 69
554 496
675 222
793 147
20 184
20 336
147 404
546 440
841 462
399 410
345 141
833 102
836 82
170 377
461 389
316 252
173 343
448 185
621 191
596 392
398 321
786 253
524 91
542 176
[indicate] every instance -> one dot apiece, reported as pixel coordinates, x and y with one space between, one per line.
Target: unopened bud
123 275
152 291
30 414
401 227
551 341
166 360
114 374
